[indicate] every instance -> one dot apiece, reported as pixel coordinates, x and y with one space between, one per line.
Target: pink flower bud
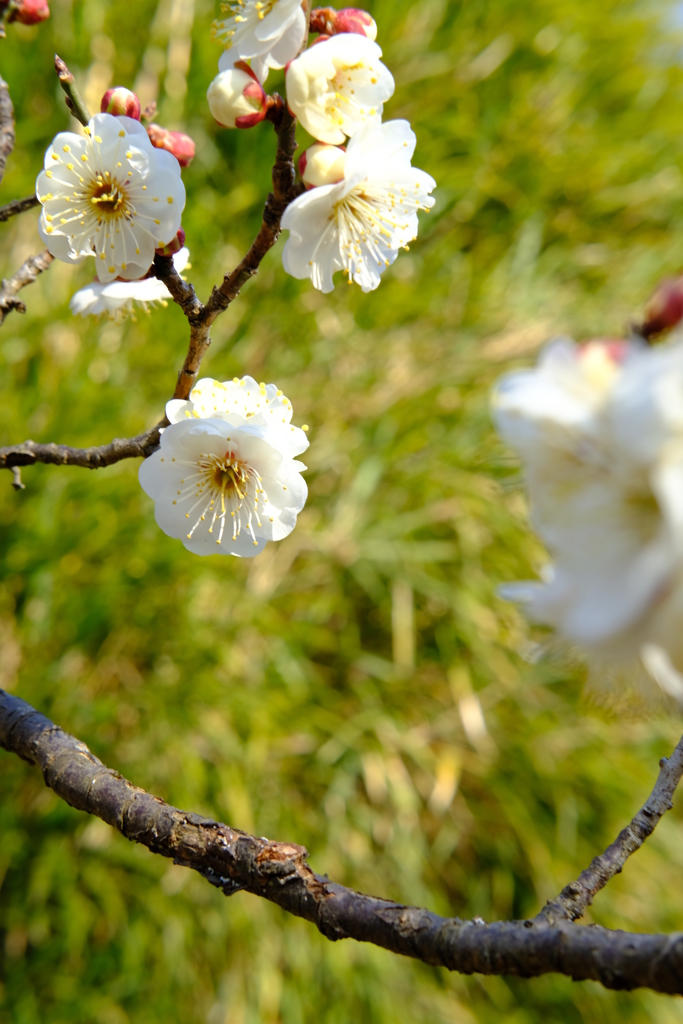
665 308
178 143
121 101
236 97
174 246
322 164
28 12
351 19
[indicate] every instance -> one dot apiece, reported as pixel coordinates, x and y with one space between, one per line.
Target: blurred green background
359 688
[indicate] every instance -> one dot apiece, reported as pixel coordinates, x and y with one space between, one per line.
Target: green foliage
328 691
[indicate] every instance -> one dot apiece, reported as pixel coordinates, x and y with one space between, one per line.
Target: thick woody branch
29 452
18 206
6 126
26 274
233 860
572 902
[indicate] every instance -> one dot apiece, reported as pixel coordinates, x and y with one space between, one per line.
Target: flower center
107 198
367 219
224 487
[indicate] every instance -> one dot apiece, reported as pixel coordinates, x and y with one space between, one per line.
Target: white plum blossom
359 224
599 428
269 33
118 299
226 479
336 85
110 194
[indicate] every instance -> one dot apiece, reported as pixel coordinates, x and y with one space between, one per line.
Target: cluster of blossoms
599 428
363 195
225 478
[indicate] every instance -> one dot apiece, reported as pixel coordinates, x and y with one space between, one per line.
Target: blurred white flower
336 85
118 299
225 479
110 194
359 224
599 428
270 33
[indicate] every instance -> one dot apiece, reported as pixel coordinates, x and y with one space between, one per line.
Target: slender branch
18 206
201 317
74 100
29 452
232 860
26 274
572 902
6 126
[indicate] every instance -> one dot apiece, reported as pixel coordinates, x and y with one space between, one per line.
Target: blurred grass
358 688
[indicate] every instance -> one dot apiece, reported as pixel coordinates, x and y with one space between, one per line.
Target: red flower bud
665 308
121 101
175 245
181 145
28 12
351 19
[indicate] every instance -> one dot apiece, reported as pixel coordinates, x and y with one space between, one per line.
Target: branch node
16 479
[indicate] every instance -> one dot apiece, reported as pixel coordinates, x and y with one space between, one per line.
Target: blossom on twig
359 224
118 299
267 32
599 428
225 479
338 84
109 194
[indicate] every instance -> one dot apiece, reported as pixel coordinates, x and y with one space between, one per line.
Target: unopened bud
121 102
351 19
178 143
237 98
322 164
665 308
28 12
174 246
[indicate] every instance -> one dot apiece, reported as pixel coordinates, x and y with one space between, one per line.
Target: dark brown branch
572 902
29 452
18 206
6 126
279 872
200 317
26 274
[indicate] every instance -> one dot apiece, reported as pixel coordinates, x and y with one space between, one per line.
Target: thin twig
233 860
29 452
572 902
6 126
74 100
26 274
18 206
16 479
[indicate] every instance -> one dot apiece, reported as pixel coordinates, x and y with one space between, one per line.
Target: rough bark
26 274
233 860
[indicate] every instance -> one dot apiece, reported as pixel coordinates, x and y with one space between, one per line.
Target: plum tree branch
201 316
26 274
233 860
574 899
18 206
29 452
